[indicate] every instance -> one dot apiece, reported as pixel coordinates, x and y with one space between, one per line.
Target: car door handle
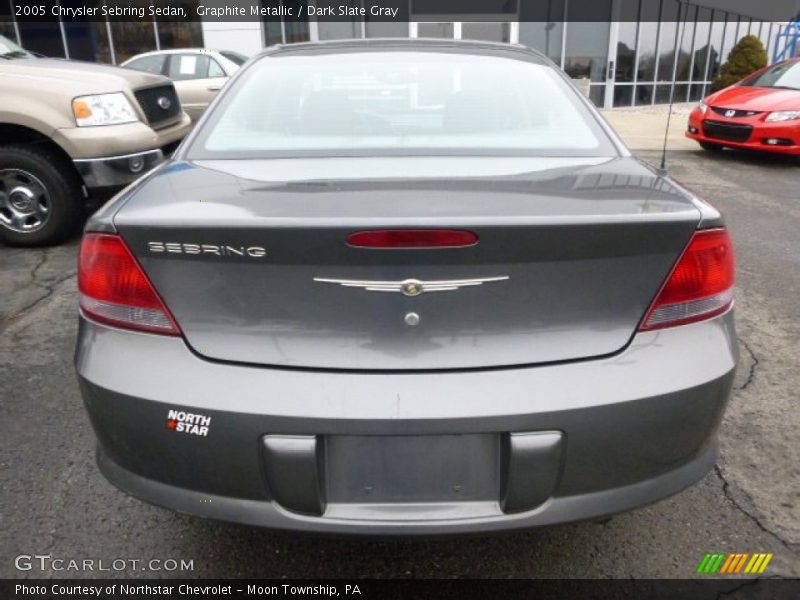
214 89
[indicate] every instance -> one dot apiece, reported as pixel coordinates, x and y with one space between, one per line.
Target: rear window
151 64
406 103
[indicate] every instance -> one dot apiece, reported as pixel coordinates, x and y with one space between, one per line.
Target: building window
643 95
728 23
87 40
176 32
131 38
290 31
273 32
542 27
7 30
587 50
627 42
715 44
490 32
436 30
339 30
295 30
42 37
385 29
700 55
546 37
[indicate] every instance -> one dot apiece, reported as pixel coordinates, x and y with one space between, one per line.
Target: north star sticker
186 422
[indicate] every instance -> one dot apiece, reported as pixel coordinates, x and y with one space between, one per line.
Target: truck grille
732 132
160 104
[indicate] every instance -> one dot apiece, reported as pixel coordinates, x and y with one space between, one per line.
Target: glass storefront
42 38
7 29
175 32
104 40
490 32
646 51
627 63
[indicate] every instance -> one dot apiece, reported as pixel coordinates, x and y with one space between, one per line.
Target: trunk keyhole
412 319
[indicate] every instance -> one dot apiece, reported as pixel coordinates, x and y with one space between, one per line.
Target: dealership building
625 62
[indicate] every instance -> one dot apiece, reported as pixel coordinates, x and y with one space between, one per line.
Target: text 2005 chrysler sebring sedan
408 287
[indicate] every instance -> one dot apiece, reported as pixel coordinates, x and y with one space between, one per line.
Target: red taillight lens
412 238
700 286
115 290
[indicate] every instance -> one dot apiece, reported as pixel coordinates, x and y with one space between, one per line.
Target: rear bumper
269 515
592 438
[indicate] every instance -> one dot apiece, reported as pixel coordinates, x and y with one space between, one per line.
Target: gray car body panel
638 426
524 402
567 232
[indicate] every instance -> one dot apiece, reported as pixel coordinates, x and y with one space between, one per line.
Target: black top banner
398 10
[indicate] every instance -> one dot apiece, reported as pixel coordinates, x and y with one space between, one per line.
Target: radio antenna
680 29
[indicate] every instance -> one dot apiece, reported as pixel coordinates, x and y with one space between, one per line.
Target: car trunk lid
252 260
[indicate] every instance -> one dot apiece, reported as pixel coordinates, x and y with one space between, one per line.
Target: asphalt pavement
53 500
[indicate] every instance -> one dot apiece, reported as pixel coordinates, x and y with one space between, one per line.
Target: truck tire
40 196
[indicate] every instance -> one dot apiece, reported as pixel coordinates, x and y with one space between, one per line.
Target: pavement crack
737 589
39 265
754 362
726 490
740 587
48 289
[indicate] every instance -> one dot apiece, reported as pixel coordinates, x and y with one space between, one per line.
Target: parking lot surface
53 500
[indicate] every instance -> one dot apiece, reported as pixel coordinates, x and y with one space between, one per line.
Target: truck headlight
103 109
783 115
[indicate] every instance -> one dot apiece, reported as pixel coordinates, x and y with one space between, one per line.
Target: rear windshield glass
784 75
404 103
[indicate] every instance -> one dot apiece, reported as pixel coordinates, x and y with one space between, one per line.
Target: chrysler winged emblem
411 287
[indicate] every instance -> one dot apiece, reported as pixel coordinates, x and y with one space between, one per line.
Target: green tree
747 56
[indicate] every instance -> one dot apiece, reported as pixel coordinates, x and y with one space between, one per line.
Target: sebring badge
207 249
412 287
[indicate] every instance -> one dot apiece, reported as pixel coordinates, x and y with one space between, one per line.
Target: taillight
700 286
115 290
412 238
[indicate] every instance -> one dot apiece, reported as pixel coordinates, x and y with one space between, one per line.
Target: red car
761 112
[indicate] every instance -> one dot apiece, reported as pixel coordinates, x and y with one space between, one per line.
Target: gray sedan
405 287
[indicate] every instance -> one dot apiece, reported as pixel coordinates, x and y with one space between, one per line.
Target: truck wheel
40 197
